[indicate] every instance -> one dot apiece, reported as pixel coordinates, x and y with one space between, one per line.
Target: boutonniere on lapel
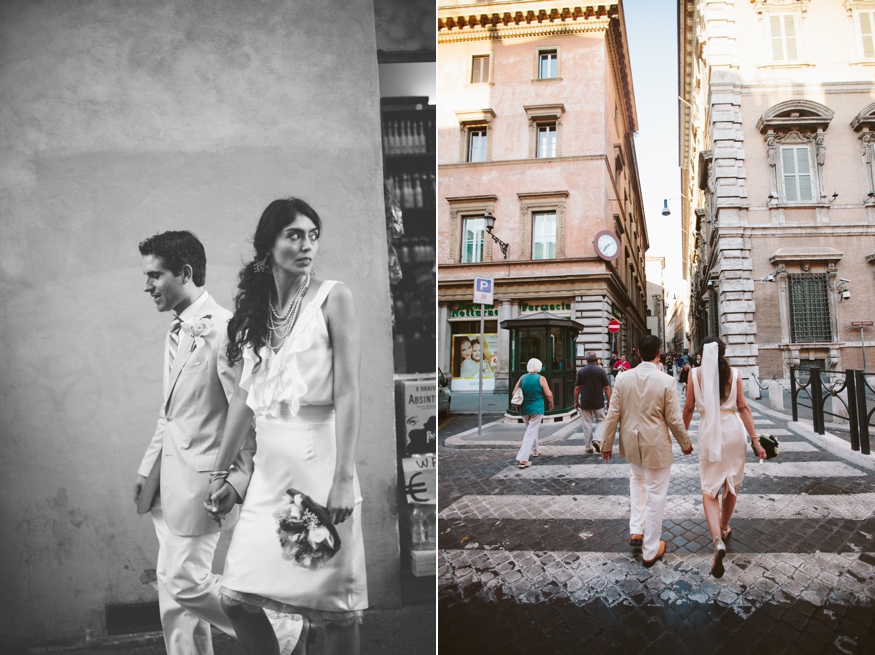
201 327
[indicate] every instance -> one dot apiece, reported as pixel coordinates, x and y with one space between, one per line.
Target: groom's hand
220 501
138 487
606 456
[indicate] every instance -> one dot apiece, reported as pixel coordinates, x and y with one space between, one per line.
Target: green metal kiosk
551 339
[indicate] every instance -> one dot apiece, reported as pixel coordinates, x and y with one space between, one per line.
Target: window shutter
480 69
777 39
789 165
866 20
790 36
803 167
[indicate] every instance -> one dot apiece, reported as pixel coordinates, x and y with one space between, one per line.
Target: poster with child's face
467 354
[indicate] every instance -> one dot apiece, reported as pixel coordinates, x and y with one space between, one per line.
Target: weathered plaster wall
117 121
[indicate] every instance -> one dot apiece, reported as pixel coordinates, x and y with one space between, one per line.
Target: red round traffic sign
614 326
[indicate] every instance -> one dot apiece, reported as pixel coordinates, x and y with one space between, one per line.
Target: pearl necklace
284 326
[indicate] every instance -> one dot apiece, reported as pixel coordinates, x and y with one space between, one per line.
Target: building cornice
618 50
455 24
686 33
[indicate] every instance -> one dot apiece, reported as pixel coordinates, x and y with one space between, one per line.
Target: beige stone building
777 130
535 128
656 305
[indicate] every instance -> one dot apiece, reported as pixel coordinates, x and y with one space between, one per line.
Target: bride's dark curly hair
722 366
248 326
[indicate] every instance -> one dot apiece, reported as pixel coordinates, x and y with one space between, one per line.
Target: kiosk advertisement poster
466 356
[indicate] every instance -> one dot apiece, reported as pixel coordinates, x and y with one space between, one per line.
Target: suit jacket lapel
186 349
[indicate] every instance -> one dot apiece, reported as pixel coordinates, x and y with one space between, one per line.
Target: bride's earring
313 271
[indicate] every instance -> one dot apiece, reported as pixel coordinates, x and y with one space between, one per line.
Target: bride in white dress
299 342
715 389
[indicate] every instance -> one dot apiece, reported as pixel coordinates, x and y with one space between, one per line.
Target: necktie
173 340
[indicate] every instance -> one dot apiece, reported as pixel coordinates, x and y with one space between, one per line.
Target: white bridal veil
710 439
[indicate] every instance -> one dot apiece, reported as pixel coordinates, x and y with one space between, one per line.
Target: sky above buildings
652 30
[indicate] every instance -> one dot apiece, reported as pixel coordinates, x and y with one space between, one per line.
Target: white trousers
648 489
530 440
188 594
587 416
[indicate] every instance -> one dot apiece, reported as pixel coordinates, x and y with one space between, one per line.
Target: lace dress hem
254 603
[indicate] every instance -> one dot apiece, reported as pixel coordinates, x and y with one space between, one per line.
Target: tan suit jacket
182 453
645 403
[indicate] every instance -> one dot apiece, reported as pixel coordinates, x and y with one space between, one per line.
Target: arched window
796 151
864 125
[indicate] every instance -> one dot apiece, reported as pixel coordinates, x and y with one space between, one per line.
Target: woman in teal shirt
535 394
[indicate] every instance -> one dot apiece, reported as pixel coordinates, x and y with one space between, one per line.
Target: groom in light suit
645 403
175 471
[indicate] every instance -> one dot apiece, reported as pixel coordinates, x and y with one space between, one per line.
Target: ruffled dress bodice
303 372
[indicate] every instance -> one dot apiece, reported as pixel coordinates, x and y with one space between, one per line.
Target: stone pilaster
505 310
595 313
444 338
736 306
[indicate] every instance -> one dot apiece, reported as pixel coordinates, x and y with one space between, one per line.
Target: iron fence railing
854 389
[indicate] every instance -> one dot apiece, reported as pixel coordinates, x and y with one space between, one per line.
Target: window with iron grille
809 308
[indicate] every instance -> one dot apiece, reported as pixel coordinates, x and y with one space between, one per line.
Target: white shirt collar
647 364
193 310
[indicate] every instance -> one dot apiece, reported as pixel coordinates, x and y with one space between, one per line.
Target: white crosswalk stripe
688 469
560 451
856 507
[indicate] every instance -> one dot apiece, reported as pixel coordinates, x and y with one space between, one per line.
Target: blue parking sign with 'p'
483 290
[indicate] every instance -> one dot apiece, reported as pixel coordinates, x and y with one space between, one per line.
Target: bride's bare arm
343 330
690 404
237 426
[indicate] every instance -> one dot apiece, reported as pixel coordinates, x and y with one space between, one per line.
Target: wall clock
607 245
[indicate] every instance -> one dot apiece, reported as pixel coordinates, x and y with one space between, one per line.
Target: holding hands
221 498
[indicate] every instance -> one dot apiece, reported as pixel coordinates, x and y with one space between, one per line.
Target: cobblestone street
537 560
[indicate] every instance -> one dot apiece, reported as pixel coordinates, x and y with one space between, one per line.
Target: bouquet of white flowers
306 532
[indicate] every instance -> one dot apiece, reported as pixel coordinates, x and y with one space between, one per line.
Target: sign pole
480 386
861 325
483 288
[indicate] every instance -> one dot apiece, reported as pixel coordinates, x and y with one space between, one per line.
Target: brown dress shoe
650 562
636 540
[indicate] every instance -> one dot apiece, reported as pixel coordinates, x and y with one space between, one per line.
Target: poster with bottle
465 360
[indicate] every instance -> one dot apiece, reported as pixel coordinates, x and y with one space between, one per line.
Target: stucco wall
117 121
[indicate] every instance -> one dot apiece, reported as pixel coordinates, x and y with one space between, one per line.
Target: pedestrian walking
683 378
621 365
536 396
645 404
716 391
590 389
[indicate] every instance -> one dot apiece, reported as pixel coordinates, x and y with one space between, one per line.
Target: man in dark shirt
590 389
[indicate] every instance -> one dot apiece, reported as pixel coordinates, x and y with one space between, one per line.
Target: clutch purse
770 445
306 532
517 398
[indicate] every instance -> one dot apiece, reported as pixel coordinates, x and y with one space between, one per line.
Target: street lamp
490 223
